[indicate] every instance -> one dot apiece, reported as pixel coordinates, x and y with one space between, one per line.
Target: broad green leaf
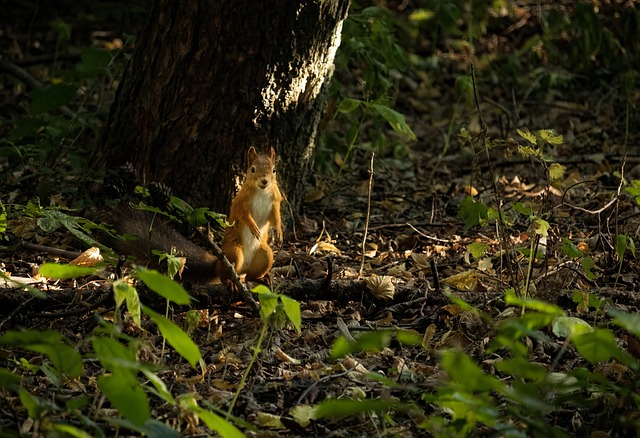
523 209
597 346
160 386
570 249
67 430
568 326
163 286
541 227
466 372
370 341
292 310
343 408
8 379
113 354
348 105
621 246
409 337
94 62
268 304
65 358
176 337
530 304
628 321
472 212
213 421
556 171
521 367
64 272
133 305
49 98
31 404
395 119
531 138
124 392
120 290
477 249
550 136
588 265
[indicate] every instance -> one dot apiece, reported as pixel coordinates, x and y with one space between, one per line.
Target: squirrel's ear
252 154
272 154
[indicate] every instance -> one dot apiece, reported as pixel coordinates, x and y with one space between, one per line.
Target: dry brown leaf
428 337
467 281
421 260
284 357
381 287
326 247
88 258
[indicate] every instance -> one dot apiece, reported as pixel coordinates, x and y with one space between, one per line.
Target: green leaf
52 97
477 249
472 212
8 379
213 421
268 302
568 326
409 337
464 86
113 355
570 250
292 310
541 227
124 291
176 337
530 304
467 373
588 265
65 358
124 392
556 171
550 136
94 62
164 286
160 387
528 136
64 272
67 430
31 404
349 105
370 341
344 408
395 119
523 209
621 246
597 346
628 321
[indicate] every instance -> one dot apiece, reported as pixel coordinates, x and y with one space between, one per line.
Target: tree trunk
209 79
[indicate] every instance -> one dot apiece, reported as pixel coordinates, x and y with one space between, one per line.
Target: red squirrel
254 210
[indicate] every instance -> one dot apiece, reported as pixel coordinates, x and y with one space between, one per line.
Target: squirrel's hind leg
261 264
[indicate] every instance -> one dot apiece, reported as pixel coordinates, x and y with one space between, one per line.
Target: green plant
118 355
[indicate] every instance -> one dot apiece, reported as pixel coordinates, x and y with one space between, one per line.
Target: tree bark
210 79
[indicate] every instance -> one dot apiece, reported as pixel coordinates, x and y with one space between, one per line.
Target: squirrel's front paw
256 233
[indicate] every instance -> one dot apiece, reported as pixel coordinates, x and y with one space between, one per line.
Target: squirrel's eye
274 169
253 169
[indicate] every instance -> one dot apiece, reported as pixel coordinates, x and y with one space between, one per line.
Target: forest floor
417 270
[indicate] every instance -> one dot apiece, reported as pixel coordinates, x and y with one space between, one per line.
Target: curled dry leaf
88 258
381 287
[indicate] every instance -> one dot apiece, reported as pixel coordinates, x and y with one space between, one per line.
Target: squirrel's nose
264 181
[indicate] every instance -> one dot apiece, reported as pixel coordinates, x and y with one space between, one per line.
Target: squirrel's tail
153 232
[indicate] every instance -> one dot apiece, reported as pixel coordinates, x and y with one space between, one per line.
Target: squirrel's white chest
261 209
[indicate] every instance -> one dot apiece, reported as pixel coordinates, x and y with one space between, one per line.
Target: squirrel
254 210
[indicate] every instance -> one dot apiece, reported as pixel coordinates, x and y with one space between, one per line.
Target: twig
366 224
235 279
